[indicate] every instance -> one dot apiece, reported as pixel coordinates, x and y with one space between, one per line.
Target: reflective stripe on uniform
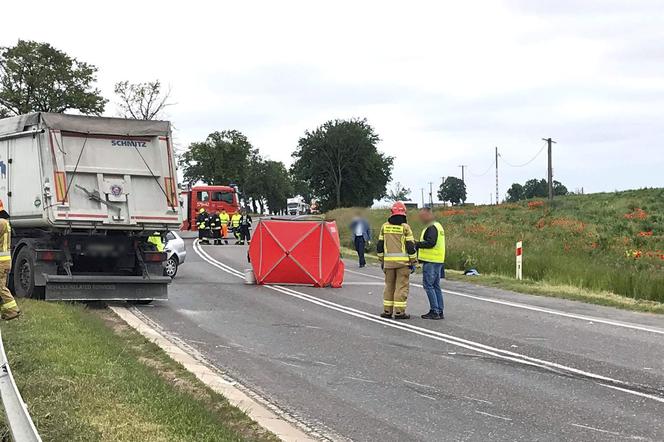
388 303
9 305
400 304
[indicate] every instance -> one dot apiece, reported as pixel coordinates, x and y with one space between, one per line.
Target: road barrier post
519 260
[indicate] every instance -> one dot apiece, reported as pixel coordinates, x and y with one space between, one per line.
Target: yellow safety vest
156 240
436 254
394 242
235 220
5 241
225 218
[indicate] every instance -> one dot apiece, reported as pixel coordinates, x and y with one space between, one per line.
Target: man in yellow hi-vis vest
431 253
9 309
235 226
398 256
225 219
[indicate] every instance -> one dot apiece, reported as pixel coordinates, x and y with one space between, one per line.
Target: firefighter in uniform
235 226
157 241
215 228
225 220
245 227
398 257
202 222
9 309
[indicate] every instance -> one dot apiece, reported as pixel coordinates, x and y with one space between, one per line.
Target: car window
170 236
203 196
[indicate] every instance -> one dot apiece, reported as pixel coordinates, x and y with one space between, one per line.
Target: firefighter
215 228
225 219
9 309
235 226
202 222
245 227
398 256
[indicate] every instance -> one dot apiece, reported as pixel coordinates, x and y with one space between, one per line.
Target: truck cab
211 198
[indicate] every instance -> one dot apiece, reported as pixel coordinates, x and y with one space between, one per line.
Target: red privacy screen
296 252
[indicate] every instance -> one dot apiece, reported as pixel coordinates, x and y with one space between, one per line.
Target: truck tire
24 275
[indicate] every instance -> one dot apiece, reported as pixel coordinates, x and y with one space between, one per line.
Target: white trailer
84 194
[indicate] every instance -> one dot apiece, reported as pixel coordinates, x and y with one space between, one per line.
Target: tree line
338 163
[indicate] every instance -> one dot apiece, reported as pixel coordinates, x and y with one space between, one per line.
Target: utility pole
549 174
422 189
497 192
463 172
431 194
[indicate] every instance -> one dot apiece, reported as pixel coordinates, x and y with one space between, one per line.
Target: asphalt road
501 366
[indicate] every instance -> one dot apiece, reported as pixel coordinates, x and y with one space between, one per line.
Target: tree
559 189
452 190
141 101
36 77
340 163
398 193
277 185
535 189
223 158
515 193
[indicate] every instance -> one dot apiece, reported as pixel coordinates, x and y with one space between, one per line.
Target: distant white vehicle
297 206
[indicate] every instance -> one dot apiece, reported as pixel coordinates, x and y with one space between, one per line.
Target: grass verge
87 376
539 288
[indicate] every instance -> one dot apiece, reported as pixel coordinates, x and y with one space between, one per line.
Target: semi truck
84 195
211 198
297 206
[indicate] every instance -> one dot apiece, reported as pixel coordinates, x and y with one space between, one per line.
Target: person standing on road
215 228
9 308
431 253
245 227
398 256
225 220
361 230
235 226
202 222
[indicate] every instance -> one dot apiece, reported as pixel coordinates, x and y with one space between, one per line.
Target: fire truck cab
210 198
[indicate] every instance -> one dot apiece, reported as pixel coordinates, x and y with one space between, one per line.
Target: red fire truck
210 198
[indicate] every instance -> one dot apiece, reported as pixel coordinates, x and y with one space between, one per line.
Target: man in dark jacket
203 225
245 227
361 233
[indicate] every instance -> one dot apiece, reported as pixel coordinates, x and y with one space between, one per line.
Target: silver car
176 253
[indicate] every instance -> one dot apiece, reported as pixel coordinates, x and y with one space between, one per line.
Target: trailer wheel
24 275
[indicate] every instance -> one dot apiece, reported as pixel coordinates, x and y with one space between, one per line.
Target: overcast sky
443 82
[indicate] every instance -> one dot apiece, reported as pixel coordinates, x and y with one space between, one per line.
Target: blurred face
426 216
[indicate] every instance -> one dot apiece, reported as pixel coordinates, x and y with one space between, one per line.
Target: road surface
501 366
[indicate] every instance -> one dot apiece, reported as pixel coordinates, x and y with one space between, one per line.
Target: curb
258 409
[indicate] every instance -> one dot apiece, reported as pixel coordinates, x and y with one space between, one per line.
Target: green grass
87 376
605 242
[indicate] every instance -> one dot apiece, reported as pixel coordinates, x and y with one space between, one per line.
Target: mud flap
105 288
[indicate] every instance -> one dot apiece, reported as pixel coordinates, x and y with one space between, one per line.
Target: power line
527 162
483 173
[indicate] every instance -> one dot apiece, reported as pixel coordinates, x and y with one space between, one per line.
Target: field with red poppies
600 242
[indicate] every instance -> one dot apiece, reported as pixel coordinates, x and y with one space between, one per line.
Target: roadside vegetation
605 242
87 376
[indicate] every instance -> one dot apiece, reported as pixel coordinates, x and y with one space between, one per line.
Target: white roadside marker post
519 260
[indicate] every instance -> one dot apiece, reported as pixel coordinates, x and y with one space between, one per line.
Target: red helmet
398 208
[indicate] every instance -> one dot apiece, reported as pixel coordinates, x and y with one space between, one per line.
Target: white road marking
478 400
632 326
442 337
419 385
290 365
599 430
493 415
324 363
426 396
368 381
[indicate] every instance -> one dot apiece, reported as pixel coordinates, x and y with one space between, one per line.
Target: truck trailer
83 195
